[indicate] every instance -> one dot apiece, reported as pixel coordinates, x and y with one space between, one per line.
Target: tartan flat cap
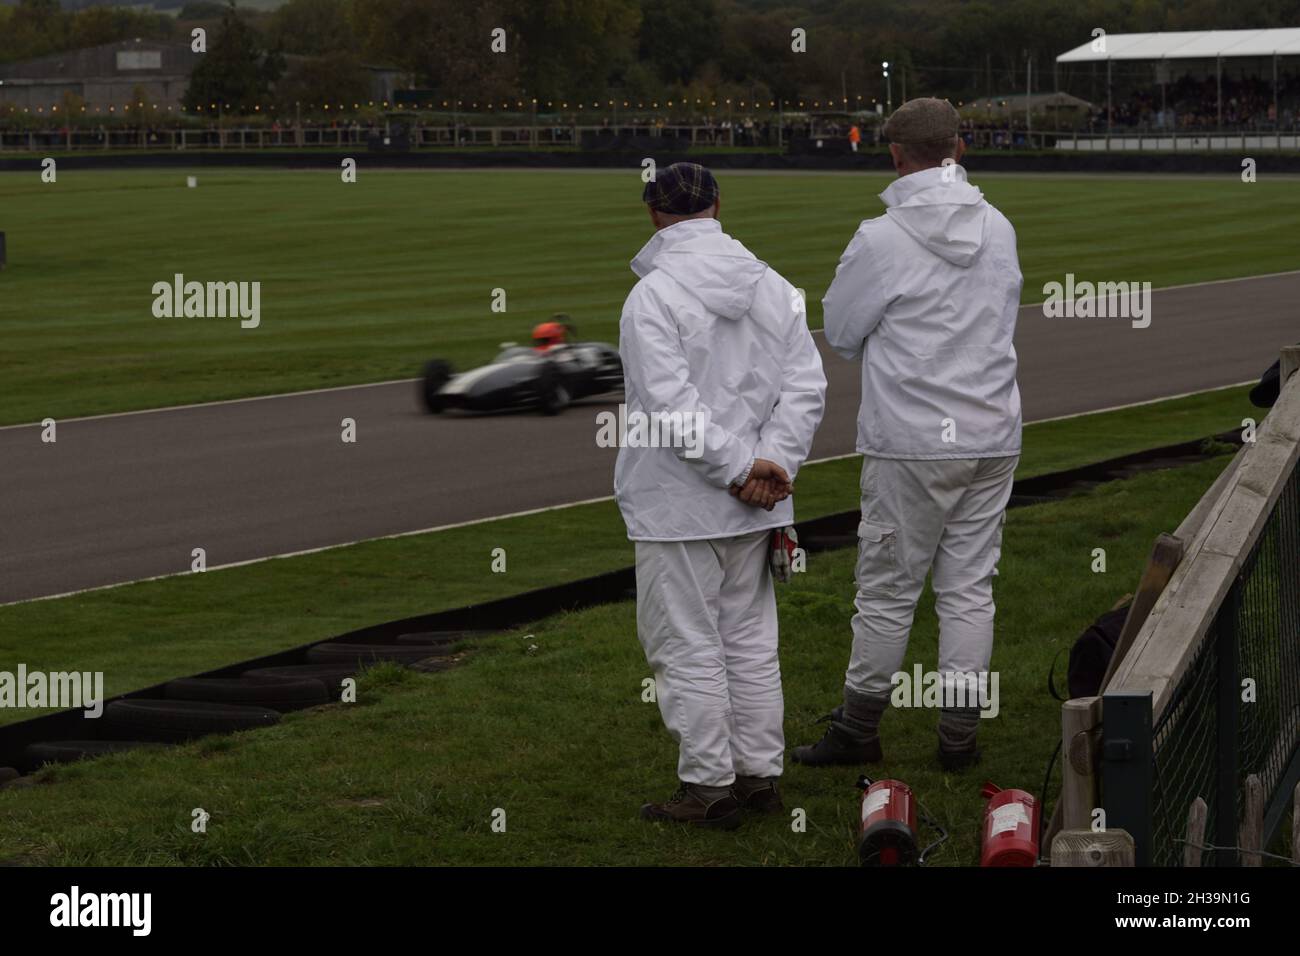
682 189
924 120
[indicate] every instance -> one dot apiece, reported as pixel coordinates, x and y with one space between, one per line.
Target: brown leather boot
698 806
759 794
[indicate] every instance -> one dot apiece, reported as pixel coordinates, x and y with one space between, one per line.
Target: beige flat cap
923 120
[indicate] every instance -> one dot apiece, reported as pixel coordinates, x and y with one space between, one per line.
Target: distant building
128 72
112 74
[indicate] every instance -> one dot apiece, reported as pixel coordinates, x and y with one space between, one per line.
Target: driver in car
547 335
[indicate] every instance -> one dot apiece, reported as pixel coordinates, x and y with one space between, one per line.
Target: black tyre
555 399
432 665
436 374
334 652
438 638
278 693
331 676
66 751
176 720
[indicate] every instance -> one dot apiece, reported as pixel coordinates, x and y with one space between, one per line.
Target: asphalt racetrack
123 497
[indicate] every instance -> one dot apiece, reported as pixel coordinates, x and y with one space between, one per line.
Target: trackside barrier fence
1199 740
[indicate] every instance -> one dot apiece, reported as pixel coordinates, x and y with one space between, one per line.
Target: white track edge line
327 547
218 402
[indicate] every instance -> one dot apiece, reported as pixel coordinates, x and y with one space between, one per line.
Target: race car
547 375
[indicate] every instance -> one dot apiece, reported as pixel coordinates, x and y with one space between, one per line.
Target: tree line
594 51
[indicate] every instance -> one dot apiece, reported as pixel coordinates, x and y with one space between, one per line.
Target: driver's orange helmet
549 334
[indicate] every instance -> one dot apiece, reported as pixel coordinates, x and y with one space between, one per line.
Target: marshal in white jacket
711 330
927 296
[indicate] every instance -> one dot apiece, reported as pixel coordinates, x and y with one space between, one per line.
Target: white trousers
706 617
918 515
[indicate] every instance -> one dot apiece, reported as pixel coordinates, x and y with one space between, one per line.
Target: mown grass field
363 282
548 724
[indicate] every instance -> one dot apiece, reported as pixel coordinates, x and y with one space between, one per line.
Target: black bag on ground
1091 654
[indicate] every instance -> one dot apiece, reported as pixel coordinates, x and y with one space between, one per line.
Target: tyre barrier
337 652
329 676
278 693
438 637
234 698
426 642
176 721
67 751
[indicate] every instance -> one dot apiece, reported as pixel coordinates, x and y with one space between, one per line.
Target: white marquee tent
1187 45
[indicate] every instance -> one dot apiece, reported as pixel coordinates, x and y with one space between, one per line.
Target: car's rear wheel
555 399
436 374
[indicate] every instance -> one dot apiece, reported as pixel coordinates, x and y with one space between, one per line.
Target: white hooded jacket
927 296
710 330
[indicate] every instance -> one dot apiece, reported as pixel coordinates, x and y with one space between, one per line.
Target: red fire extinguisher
1010 835
888 835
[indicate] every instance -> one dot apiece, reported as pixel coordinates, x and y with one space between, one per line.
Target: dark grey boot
853 735
698 805
957 730
760 794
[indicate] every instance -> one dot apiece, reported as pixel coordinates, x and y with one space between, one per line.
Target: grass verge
549 727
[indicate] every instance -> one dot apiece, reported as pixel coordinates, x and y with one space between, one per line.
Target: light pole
1029 94
889 88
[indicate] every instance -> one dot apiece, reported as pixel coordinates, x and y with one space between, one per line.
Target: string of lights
460 106
463 106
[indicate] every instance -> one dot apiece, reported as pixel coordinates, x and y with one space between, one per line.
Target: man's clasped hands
766 485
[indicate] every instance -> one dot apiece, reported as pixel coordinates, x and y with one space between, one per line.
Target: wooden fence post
1080 738
1295 825
1252 823
1093 848
1166 555
1195 833
1289 364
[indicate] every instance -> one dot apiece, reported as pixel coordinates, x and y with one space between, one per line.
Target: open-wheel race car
547 375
